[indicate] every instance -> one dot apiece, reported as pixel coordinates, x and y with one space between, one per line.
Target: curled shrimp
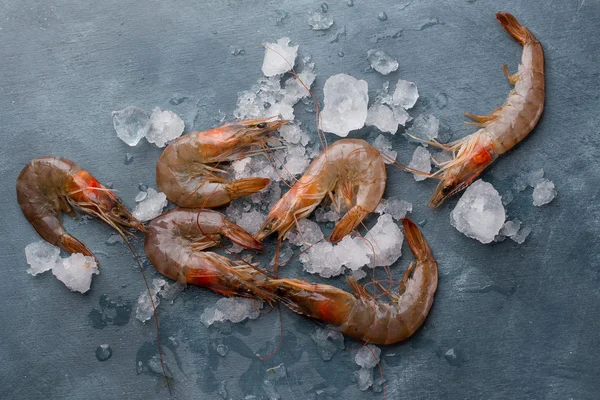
504 127
187 170
175 242
49 185
350 171
361 315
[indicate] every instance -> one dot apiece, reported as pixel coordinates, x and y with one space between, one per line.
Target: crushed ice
421 161
280 57
320 21
151 206
382 62
165 126
232 309
346 100
132 124
367 358
159 286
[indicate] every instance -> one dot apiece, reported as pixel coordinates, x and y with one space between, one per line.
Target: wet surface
509 321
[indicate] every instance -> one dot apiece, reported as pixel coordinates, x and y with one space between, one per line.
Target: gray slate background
523 319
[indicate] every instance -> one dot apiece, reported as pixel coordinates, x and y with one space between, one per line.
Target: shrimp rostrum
503 128
361 315
175 242
188 170
49 185
350 171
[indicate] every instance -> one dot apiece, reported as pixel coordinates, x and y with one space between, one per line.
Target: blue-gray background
523 319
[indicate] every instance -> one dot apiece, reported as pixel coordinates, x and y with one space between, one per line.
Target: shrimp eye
261 125
446 190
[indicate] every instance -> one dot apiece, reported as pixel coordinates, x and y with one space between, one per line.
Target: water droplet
324 7
114 239
142 187
109 185
214 32
238 52
441 100
350 3
453 357
422 223
340 54
103 352
128 158
382 16
222 350
223 389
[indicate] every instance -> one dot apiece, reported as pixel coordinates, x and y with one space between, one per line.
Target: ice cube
479 213
280 57
346 100
510 228
368 356
307 232
364 378
425 127
251 221
151 207
328 340
543 192
165 126
406 94
533 178
382 117
319 21
382 62
386 241
394 206
384 146
421 161
41 257
232 309
131 123
520 236
76 272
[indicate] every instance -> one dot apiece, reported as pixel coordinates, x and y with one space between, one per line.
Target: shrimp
49 185
350 171
187 170
361 315
503 128
175 242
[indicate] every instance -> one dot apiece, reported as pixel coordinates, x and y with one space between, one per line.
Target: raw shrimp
174 244
503 128
350 171
361 315
187 170
49 185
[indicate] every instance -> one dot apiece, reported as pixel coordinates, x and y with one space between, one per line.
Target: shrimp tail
347 223
248 186
72 245
239 236
418 245
514 28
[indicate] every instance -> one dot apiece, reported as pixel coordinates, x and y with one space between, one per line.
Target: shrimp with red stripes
503 128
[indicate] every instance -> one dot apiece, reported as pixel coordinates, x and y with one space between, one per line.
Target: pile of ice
395 207
232 309
425 127
150 204
132 124
390 110
280 57
74 271
544 190
346 101
421 161
514 230
382 62
479 213
381 246
368 358
320 21
168 291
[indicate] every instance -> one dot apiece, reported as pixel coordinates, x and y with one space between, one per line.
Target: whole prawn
361 315
49 185
175 242
503 128
187 170
350 171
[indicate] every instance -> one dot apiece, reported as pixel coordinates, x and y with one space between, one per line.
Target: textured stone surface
522 319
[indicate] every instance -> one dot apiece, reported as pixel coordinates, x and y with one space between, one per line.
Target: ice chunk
144 310
425 127
131 123
352 252
165 126
151 207
41 257
346 100
384 146
326 216
394 206
319 21
307 232
364 378
295 160
251 221
520 236
320 259
368 356
479 213
386 239
232 309
510 228
382 62
280 57
406 94
382 117
328 341
543 192
141 196
76 272
292 133
421 161
170 291
533 178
